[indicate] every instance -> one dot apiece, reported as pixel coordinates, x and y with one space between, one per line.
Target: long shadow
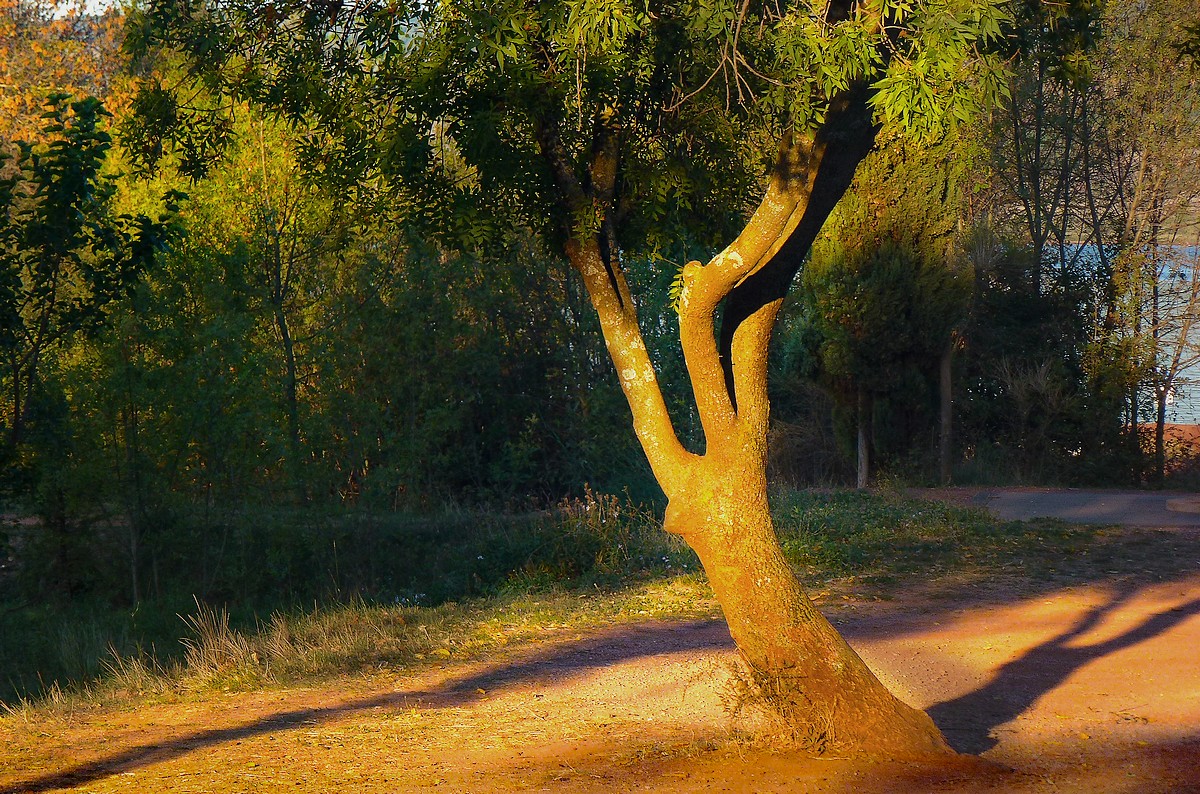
968 721
561 661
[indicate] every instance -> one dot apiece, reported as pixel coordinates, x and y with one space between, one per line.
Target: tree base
833 727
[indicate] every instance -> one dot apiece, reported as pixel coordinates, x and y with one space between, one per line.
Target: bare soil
1088 686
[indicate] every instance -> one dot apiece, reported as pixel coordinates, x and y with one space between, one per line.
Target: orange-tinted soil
1093 688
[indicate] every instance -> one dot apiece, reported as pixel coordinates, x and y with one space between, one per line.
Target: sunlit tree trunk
796 662
798 665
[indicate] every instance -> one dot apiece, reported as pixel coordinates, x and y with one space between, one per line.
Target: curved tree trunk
800 667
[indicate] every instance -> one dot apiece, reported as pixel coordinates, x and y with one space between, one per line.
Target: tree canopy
375 297
503 107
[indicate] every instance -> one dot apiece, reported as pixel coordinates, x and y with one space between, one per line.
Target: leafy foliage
455 106
66 257
54 47
1190 46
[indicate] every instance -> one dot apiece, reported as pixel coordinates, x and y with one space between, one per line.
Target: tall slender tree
1152 120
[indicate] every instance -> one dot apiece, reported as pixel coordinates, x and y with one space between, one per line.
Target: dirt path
1094 688
1131 508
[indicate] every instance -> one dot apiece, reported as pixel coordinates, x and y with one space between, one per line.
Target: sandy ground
1094 688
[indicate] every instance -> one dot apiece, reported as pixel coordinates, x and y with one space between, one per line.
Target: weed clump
216 656
775 711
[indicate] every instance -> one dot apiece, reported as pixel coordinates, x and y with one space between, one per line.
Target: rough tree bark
799 665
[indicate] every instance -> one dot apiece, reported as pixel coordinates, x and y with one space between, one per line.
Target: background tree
1068 174
884 299
54 47
1152 123
66 256
1043 138
65 259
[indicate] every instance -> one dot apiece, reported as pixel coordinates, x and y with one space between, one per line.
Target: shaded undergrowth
345 596
592 562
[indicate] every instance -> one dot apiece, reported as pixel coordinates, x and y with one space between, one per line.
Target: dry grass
840 543
361 639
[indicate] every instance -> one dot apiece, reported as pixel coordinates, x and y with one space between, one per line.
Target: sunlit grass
884 538
359 638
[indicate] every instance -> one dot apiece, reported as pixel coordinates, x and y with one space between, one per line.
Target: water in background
1184 409
1184 405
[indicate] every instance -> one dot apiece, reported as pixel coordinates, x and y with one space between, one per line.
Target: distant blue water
1185 405
1185 408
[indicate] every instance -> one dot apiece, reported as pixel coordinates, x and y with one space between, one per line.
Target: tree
610 126
883 315
285 229
1042 140
53 47
885 294
1153 123
64 255
1054 374
66 258
1094 165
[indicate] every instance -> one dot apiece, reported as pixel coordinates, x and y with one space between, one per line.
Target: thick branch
595 254
603 170
623 338
559 161
605 157
843 141
704 287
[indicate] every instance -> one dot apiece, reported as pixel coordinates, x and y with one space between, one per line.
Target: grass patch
367 582
590 563
879 542
885 538
360 638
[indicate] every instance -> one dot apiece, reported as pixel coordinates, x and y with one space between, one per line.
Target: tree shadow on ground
969 721
560 660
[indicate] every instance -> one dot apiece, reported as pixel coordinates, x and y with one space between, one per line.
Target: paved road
1132 508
